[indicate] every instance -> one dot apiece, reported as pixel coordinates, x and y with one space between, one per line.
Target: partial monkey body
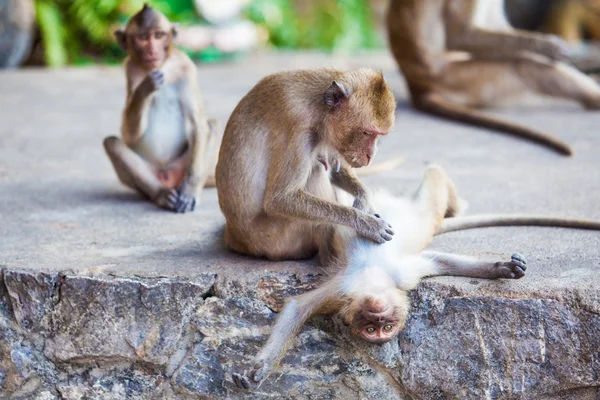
168 148
574 20
458 56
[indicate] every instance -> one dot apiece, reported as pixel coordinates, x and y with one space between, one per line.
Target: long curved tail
487 220
437 105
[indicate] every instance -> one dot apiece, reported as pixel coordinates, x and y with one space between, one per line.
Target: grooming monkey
168 148
290 144
459 55
369 283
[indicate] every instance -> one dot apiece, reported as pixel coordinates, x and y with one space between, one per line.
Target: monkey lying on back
169 148
458 55
369 283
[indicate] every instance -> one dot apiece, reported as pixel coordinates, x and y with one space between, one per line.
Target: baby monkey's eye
370 329
387 328
159 35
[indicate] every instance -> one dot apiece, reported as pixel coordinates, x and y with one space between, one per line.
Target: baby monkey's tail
487 220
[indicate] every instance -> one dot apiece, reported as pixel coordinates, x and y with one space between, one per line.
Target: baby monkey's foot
513 269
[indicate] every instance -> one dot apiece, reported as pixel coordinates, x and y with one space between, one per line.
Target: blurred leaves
338 25
81 31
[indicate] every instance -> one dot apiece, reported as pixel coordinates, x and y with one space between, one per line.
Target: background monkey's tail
486 220
436 105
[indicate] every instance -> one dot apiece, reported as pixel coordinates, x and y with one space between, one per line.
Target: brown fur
168 147
277 173
453 66
575 21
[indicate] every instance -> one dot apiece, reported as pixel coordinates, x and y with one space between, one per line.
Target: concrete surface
62 208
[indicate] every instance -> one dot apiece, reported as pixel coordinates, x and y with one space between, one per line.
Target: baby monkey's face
377 318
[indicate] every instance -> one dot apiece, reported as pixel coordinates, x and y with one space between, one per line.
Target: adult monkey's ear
335 94
121 39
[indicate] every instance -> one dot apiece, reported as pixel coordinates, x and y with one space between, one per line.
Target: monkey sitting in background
369 283
168 149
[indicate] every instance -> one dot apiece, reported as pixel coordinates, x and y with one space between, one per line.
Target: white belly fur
165 132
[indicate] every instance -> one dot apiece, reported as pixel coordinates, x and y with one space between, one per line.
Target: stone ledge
75 337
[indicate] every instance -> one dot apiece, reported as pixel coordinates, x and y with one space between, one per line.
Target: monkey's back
274 118
259 127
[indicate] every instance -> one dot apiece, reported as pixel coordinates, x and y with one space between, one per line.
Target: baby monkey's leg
458 265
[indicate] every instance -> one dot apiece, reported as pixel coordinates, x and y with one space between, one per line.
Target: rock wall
108 337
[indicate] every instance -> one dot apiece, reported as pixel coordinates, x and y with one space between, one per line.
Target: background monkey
168 148
369 283
574 20
578 22
288 146
457 55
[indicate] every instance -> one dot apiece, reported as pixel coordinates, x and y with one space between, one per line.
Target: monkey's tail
383 166
486 220
436 105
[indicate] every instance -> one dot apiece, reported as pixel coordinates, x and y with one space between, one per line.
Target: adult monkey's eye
159 35
387 328
367 133
370 329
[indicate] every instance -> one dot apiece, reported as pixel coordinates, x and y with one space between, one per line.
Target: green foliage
340 25
81 31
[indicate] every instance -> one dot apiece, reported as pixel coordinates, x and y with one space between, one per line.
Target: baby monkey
168 148
369 283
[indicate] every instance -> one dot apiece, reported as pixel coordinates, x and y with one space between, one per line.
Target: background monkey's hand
166 198
152 82
186 197
252 379
555 48
376 229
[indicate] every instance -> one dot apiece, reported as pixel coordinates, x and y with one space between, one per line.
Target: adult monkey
369 283
169 148
457 55
288 146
